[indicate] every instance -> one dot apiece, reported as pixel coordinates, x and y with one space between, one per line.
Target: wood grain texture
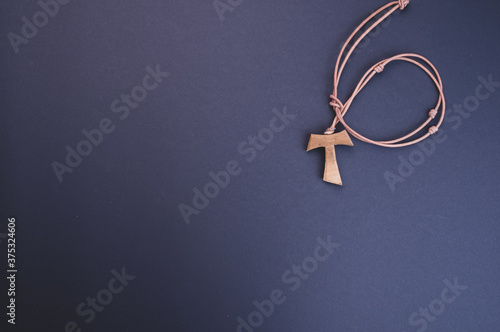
332 173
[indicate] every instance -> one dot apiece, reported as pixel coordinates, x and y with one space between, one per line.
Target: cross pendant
328 142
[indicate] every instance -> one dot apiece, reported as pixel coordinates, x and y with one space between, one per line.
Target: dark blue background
119 208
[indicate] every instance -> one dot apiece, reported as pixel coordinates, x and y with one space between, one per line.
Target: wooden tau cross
328 142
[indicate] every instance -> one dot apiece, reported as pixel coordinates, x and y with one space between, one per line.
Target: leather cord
418 60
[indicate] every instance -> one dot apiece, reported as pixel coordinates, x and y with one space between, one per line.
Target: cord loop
341 108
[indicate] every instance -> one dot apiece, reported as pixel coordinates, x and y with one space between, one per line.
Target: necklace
330 139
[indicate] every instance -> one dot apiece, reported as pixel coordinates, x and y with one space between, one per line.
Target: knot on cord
403 3
338 108
336 103
433 130
329 131
379 68
433 113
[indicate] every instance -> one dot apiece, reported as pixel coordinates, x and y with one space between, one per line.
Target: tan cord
418 60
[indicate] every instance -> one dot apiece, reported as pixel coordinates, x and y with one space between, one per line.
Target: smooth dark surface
120 207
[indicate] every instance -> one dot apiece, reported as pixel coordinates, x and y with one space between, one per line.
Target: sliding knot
433 130
336 104
379 68
433 113
403 3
